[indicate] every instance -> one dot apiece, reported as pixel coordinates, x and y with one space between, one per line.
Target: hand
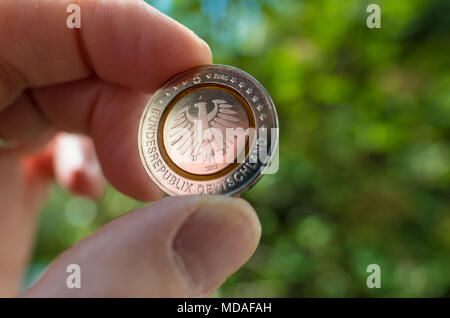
95 81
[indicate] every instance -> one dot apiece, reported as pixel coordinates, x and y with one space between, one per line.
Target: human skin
94 82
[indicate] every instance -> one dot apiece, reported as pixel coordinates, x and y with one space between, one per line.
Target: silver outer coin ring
231 181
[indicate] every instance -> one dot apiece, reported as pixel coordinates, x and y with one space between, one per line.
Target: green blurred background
364 150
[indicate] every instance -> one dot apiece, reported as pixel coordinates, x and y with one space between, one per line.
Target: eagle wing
223 117
182 131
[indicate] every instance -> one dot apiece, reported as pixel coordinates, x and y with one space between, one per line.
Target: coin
210 130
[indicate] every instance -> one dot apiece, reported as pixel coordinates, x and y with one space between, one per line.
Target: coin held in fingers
210 130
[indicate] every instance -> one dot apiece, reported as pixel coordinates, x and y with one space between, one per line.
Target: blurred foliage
364 157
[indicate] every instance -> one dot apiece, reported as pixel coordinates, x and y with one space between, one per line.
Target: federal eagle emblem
184 134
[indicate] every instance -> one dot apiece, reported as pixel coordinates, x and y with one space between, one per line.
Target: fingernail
207 50
203 44
216 240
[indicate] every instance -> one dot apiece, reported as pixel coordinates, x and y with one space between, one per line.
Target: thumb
177 247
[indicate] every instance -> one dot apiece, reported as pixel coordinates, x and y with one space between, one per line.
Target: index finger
122 46
126 42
